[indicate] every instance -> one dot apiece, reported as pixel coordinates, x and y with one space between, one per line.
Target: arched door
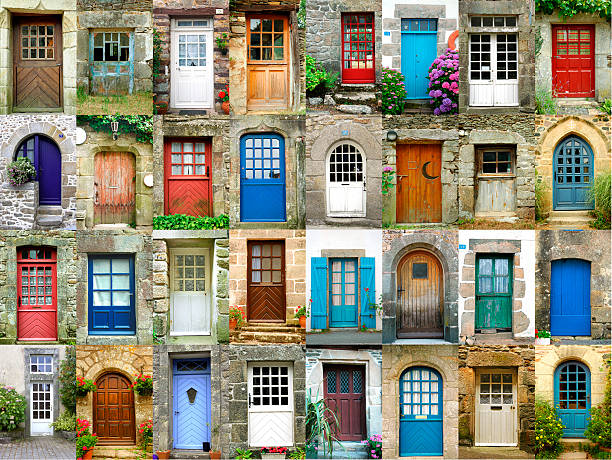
346 182
573 397
114 410
570 297
47 160
420 296
421 426
572 174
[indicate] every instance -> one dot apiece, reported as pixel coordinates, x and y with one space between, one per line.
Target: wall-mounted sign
462 246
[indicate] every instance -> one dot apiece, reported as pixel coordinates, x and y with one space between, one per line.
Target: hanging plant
20 171
84 386
143 385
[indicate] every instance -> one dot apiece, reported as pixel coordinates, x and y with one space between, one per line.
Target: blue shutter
318 292
368 291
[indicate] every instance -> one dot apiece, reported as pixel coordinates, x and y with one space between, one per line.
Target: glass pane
121 281
101 298
121 298
101 265
101 281
121 266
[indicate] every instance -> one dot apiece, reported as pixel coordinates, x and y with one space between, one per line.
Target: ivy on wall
140 125
157 50
569 8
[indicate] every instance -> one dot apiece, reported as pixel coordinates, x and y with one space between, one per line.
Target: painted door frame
556 58
562 412
509 296
48 430
132 404
514 410
353 186
411 37
589 151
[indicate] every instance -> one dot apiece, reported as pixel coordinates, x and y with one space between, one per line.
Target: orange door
419 188
267 62
115 188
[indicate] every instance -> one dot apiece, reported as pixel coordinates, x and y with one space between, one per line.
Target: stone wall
68 10
291 128
218 244
19 205
68 272
324 132
592 246
396 359
138 245
217 130
520 358
129 361
324 31
443 244
98 142
136 5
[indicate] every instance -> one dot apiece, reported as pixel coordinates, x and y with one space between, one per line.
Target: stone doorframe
40 378
448 257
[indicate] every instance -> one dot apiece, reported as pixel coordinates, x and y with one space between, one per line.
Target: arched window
573 397
572 174
346 192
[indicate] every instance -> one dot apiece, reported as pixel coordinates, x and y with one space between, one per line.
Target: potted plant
66 425
146 431
161 107
84 386
85 441
243 454
542 337
20 171
273 452
224 96
301 313
143 385
374 446
163 454
214 454
236 317
222 43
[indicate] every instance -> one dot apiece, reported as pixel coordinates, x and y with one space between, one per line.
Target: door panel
346 187
420 296
419 51
266 281
496 192
115 188
358 43
345 394
343 294
419 187
111 58
493 292
572 174
570 297
496 422
41 409
114 410
192 403
573 397
47 160
573 60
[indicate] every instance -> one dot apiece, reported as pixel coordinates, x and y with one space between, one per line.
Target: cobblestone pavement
38 448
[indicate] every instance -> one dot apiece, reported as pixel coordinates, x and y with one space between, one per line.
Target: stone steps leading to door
108 452
269 333
569 219
49 216
189 454
349 450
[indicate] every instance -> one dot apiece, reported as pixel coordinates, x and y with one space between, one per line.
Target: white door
496 414
346 182
191 75
41 409
493 70
270 404
190 296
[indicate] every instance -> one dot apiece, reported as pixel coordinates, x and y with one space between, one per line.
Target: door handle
176 412
249 399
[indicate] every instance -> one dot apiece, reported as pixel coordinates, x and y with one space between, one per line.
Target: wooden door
420 296
496 181
37 58
419 50
573 60
47 160
573 397
36 294
344 390
573 173
114 188
570 297
494 291
268 62
358 55
113 412
496 408
188 177
41 409
419 187
266 281
346 184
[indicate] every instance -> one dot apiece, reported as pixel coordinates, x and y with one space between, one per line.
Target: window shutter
318 292
368 291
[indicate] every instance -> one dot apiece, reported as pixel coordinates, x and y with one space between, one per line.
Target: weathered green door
493 291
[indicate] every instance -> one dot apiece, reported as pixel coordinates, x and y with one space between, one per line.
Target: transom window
493 21
573 162
419 25
37 254
262 157
503 48
192 50
574 41
111 281
270 386
343 281
358 41
37 42
493 275
496 388
266 262
188 158
420 390
496 161
191 365
573 387
111 46
193 23
41 364
346 164
267 39
41 401
190 273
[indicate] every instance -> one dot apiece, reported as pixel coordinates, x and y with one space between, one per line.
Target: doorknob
176 412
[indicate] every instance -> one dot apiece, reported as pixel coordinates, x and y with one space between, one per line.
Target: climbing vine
157 50
140 125
301 15
569 8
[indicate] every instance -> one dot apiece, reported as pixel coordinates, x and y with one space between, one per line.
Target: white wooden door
346 182
270 404
496 408
190 297
493 70
41 409
191 75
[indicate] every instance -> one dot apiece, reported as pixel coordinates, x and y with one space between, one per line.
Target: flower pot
81 393
163 454
272 456
226 107
232 324
215 454
542 340
88 454
144 392
224 50
303 322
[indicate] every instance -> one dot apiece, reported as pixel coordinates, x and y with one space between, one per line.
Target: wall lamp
391 136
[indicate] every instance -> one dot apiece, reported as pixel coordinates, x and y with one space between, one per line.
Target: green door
493 291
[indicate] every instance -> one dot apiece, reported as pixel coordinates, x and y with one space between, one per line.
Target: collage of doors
305 229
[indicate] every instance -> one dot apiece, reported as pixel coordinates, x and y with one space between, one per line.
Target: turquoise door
573 397
343 293
573 175
192 405
419 50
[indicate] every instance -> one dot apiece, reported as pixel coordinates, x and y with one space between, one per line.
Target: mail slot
420 417
496 407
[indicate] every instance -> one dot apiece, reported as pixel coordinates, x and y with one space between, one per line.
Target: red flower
222 94
84 448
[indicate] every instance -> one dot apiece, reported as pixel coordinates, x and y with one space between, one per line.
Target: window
419 271
37 254
343 282
190 273
493 275
496 388
502 48
192 50
421 393
574 41
41 401
37 42
111 281
496 160
346 164
262 157
573 161
191 366
493 21
266 262
573 386
267 39
188 158
358 41
419 25
41 364
111 46
193 23
270 386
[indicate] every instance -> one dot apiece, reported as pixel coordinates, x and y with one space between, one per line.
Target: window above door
493 21
419 25
41 364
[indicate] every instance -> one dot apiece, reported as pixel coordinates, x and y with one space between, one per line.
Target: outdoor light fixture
391 136
114 129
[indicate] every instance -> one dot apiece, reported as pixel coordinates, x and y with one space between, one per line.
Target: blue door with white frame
262 178
419 50
191 403
570 297
111 294
573 397
572 175
421 420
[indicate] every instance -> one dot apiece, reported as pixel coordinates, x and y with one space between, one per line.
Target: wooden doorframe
132 410
250 244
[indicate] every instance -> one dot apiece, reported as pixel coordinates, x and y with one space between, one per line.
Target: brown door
267 62
266 281
345 396
115 188
419 188
420 296
38 62
114 410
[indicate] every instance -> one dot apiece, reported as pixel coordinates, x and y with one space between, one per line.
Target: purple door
46 157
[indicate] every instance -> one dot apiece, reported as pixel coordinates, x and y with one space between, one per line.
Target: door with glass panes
573 397
496 408
493 292
358 40
344 390
111 66
266 281
573 60
496 188
41 394
346 184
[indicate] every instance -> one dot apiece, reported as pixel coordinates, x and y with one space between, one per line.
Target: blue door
570 297
262 178
47 160
111 295
191 401
573 175
573 397
420 412
419 50
343 293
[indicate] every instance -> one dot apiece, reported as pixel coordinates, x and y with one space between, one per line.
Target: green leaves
12 409
20 171
183 222
317 78
140 125
569 8
67 379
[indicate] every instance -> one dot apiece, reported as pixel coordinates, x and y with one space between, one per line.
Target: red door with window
358 48
573 60
188 177
36 294
344 388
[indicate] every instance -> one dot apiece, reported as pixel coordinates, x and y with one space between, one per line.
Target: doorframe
30 378
556 150
132 408
364 161
283 278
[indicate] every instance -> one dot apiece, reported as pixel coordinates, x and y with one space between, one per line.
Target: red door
573 60
344 388
188 177
358 48
36 294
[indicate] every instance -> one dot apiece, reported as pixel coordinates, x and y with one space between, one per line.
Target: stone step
189 454
569 219
256 328
48 220
107 452
270 337
350 98
349 450
573 106
356 87
355 109
50 210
